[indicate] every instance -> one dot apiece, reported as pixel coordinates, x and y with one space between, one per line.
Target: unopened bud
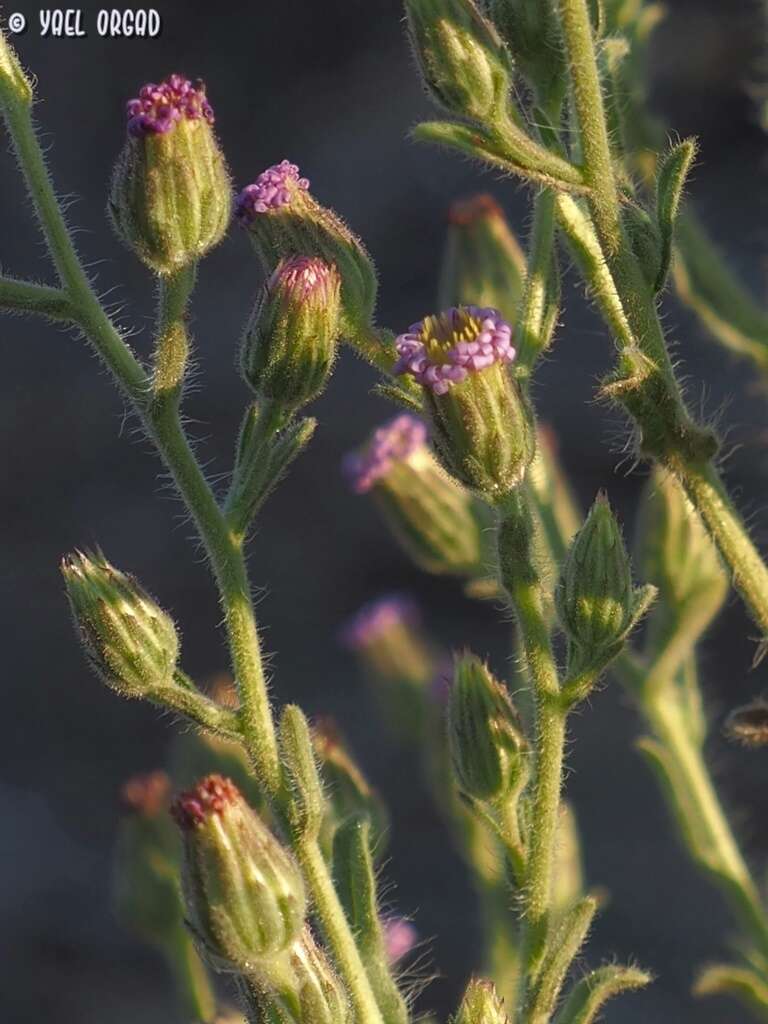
148 862
171 196
482 424
396 656
748 725
530 28
438 523
463 61
485 734
321 994
283 219
307 805
481 1005
596 601
244 892
483 263
290 343
130 641
675 551
400 937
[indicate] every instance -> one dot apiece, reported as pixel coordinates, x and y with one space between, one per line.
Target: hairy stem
521 581
29 297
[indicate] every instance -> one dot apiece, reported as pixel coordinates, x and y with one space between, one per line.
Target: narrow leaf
743 983
588 996
563 946
673 172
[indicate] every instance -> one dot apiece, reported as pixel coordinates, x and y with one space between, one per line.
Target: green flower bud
283 219
171 197
322 998
463 61
481 1005
596 602
483 264
482 423
307 805
244 892
531 30
290 343
439 524
148 862
129 640
485 735
674 550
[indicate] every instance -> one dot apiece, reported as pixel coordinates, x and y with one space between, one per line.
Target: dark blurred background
331 86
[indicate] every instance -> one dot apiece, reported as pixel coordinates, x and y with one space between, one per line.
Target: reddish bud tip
464 212
208 796
146 795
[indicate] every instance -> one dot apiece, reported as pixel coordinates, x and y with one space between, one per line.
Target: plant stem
337 932
194 988
597 163
540 303
521 581
28 297
161 420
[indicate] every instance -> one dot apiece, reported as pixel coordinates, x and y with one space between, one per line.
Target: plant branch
28 297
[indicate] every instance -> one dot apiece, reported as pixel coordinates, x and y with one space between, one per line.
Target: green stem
172 340
540 303
28 297
521 581
195 992
715 845
161 419
337 932
597 165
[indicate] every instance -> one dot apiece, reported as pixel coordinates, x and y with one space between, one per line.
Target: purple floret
158 108
273 188
394 442
440 352
377 617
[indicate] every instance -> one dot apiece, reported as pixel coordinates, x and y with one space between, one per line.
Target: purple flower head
399 938
158 108
441 351
302 276
395 442
273 188
376 618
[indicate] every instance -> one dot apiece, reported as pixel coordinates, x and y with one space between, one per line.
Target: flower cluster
272 189
157 108
441 351
209 796
302 276
394 442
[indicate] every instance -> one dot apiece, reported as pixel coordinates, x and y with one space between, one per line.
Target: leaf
743 983
670 182
563 946
588 996
512 150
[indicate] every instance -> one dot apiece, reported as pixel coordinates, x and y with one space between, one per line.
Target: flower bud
483 262
485 734
322 998
394 653
481 1005
290 342
674 549
463 61
530 29
748 724
596 602
171 196
482 425
438 523
129 640
283 219
244 893
148 861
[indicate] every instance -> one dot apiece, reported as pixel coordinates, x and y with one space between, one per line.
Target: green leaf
355 878
743 983
563 946
673 173
509 148
588 996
